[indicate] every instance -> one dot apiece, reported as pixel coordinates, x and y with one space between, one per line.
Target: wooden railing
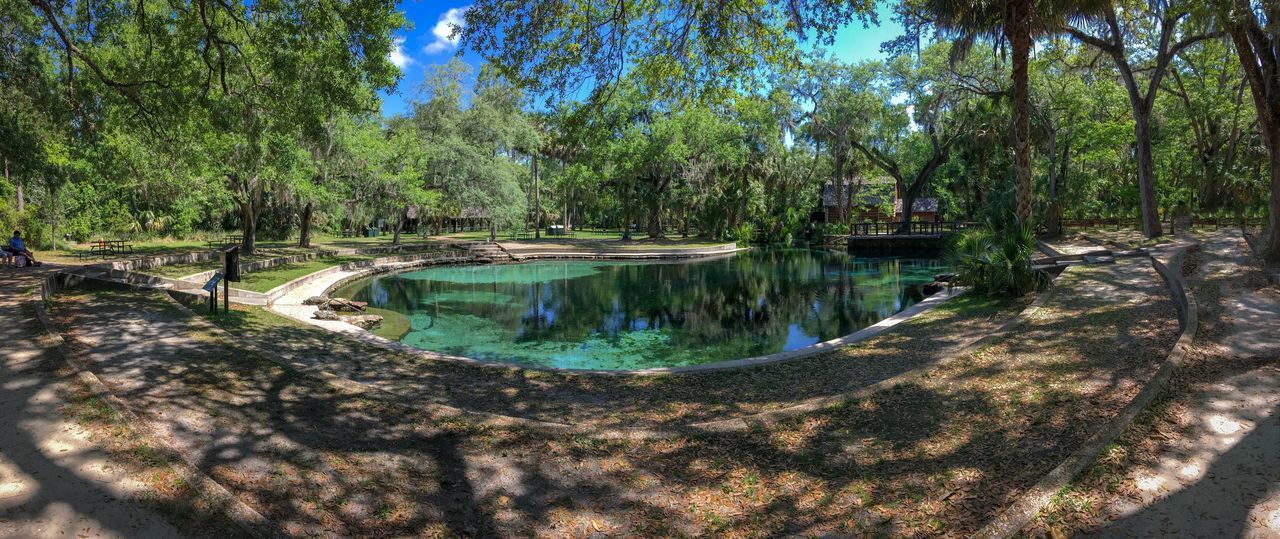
914 228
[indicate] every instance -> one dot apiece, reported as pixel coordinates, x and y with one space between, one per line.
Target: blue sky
425 42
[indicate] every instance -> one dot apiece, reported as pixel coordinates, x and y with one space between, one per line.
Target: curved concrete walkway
54 480
1220 477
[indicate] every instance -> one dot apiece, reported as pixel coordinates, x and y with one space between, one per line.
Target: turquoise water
615 315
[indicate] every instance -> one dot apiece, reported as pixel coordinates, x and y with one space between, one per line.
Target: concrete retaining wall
443 256
250 267
536 253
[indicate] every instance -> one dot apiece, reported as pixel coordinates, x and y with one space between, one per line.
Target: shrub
743 234
996 261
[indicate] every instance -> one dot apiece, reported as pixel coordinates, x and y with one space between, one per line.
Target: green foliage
682 47
258 115
996 261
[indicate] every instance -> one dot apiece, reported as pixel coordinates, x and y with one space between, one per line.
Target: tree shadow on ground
937 456
38 387
628 400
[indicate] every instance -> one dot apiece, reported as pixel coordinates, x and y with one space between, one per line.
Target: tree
1109 34
469 154
1017 22
1254 30
683 47
1214 117
1058 107
911 156
839 110
241 79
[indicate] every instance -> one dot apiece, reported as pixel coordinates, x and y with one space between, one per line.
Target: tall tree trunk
1019 33
837 183
656 207
304 237
1271 246
627 213
248 243
1146 173
655 221
395 240
1259 53
850 195
537 198
1053 221
908 207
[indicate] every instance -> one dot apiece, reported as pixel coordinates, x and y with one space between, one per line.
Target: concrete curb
522 254
1030 503
817 403
248 519
249 297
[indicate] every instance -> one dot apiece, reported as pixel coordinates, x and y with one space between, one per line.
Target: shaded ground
59 477
938 456
1203 461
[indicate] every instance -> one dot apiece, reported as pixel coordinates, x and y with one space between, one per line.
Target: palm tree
1019 23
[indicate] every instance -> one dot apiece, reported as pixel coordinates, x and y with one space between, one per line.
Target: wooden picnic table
110 247
229 239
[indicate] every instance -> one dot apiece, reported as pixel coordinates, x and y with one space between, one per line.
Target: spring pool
638 315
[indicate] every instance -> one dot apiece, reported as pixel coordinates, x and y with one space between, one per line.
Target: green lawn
266 248
338 242
265 280
177 271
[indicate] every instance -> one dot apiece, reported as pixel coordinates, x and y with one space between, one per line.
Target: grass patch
266 279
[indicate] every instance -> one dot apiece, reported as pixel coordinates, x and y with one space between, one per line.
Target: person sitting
17 248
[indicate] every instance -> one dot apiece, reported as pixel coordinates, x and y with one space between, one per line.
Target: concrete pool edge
321 284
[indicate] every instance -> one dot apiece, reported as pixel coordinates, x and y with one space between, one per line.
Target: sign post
231 269
212 288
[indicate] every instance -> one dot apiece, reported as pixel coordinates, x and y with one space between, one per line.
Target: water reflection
610 315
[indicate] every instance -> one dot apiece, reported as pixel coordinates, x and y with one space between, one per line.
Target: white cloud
443 30
397 55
